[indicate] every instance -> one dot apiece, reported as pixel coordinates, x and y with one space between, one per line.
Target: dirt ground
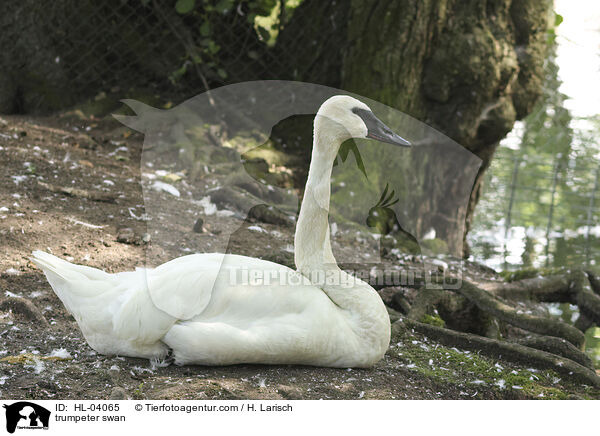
72 186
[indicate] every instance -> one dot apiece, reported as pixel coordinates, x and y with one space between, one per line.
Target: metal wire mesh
87 47
544 201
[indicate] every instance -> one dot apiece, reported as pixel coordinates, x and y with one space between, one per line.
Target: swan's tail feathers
66 270
71 282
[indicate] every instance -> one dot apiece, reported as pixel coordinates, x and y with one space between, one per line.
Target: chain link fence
56 53
540 210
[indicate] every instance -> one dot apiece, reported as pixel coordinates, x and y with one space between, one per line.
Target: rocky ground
72 185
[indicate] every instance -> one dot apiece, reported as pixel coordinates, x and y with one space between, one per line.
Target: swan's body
205 309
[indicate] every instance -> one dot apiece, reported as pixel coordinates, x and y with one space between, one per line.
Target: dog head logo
26 415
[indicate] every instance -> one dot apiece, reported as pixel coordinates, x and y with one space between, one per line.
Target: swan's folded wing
183 287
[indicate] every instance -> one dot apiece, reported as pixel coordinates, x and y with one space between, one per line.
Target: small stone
146 238
126 236
270 215
86 163
118 393
199 226
171 178
24 310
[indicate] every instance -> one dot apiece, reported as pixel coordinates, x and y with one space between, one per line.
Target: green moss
269 154
138 394
435 246
407 245
433 320
529 273
465 369
105 104
99 107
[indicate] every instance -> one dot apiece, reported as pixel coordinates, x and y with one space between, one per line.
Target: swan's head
346 117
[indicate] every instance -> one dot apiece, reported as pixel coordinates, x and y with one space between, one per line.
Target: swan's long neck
311 241
365 309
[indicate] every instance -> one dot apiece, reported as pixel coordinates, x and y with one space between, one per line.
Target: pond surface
527 245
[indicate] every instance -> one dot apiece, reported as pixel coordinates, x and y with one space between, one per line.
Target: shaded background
466 68
475 70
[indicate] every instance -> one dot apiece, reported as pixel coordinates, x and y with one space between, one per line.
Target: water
527 247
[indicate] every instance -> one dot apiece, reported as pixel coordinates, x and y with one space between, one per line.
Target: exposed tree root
471 312
576 287
501 350
544 326
559 347
583 323
552 289
587 300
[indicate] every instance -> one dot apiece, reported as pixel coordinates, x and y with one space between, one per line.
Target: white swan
201 307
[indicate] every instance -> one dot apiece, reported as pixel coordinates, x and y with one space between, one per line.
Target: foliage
207 20
347 147
548 168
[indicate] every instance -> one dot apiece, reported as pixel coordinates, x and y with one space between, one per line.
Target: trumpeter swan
200 307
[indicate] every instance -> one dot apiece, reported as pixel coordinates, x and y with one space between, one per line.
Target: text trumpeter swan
198 306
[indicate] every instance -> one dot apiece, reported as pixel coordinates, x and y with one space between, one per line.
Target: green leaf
205 28
558 19
213 48
350 146
184 6
343 151
177 74
222 73
263 34
224 6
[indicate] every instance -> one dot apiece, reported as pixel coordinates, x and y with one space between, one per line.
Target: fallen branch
81 193
65 133
250 206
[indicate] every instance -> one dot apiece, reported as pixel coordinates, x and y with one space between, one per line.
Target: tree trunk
468 68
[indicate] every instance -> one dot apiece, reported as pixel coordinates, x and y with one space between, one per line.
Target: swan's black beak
379 131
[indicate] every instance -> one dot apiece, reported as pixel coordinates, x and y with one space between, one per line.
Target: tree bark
468 68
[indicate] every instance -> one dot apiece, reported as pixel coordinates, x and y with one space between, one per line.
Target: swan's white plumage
201 307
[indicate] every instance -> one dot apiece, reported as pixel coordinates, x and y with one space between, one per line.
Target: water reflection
528 248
